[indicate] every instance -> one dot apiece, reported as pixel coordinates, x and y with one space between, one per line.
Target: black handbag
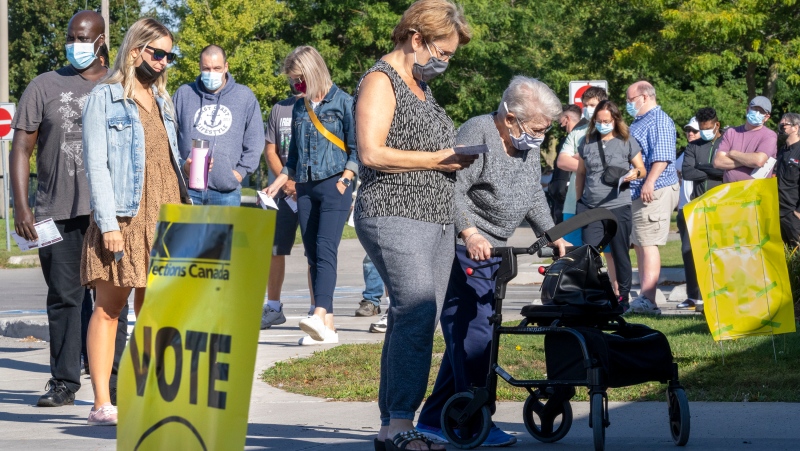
578 279
611 174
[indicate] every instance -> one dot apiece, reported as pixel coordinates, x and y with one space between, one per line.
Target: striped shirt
655 132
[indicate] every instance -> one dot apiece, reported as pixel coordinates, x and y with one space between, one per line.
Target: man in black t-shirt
49 118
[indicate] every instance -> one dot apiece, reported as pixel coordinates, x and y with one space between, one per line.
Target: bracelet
470 236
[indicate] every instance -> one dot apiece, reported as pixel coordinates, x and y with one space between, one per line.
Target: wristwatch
344 181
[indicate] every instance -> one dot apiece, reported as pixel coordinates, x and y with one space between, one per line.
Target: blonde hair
306 61
434 20
142 33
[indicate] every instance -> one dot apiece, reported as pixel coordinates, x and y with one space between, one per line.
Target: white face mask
588 112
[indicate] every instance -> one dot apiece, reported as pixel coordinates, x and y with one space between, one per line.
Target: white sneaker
381 325
106 415
644 306
331 337
271 317
314 327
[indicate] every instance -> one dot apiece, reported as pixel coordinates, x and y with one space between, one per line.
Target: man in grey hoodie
228 116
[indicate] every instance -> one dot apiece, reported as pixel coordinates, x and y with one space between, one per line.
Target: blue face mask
755 118
630 107
211 80
588 112
604 129
81 54
708 135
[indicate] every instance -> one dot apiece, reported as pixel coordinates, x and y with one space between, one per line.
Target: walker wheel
679 418
465 431
598 420
548 422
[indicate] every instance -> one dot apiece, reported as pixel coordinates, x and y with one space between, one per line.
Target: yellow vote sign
186 374
738 253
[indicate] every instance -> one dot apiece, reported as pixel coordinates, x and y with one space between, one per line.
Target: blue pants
323 212
213 197
373 284
467 334
573 237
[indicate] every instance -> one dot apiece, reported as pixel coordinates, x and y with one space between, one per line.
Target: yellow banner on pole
738 253
186 374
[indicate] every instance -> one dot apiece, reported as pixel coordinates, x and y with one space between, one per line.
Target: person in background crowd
116 249
749 146
698 169
655 197
556 192
404 211
788 173
323 163
226 114
48 119
608 133
492 197
692 130
276 152
370 304
568 155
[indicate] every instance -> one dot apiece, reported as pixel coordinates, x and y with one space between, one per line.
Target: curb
25 327
529 275
25 260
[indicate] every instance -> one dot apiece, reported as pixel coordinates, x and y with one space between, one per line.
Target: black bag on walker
577 279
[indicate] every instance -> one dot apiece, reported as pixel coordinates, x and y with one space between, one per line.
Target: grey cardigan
497 191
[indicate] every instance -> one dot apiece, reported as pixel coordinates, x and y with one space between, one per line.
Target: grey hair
645 88
528 98
792 118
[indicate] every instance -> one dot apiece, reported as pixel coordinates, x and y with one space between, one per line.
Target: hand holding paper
265 201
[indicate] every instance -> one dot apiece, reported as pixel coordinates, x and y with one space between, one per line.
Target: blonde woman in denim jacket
132 163
323 173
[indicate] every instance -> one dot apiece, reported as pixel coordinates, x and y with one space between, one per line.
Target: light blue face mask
211 80
708 135
630 107
81 54
604 129
755 118
588 112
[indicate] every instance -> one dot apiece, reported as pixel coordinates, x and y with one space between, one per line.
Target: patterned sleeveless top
417 126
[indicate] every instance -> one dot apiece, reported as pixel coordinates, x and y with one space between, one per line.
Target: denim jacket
308 148
113 151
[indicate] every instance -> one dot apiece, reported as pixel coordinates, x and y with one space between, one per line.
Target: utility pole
104 13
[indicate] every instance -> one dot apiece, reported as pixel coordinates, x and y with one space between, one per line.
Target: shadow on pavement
282 436
24 366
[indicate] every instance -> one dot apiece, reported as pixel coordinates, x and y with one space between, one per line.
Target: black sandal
380 445
402 439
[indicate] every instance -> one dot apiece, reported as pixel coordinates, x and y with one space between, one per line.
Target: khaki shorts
651 221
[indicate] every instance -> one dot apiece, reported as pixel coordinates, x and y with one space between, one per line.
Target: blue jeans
467 334
373 284
213 197
323 212
573 237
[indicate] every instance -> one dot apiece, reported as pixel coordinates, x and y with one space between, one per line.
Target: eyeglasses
634 99
444 56
537 133
159 54
610 122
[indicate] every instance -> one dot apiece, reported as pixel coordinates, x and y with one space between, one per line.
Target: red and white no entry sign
578 87
6 114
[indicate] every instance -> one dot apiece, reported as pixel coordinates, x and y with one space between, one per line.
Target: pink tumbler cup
198 170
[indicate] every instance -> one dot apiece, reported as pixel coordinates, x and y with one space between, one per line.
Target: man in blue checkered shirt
655 197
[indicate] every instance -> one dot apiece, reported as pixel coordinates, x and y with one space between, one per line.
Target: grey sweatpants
414 259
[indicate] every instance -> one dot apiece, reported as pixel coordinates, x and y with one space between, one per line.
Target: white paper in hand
48 234
764 171
291 203
266 201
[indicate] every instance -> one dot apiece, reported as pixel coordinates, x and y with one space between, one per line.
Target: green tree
37 35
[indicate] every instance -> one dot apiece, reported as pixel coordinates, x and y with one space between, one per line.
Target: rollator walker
586 344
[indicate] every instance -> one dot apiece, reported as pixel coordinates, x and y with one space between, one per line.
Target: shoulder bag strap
321 129
602 153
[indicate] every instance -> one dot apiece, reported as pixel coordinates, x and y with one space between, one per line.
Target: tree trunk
750 77
772 78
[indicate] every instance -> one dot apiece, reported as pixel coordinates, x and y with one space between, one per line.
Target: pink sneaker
106 415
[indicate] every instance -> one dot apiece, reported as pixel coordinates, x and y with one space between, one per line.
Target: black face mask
782 130
146 74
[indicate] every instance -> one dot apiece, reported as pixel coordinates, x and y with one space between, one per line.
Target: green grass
347 234
4 254
670 255
749 372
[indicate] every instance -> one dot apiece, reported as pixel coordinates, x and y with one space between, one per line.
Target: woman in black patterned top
404 210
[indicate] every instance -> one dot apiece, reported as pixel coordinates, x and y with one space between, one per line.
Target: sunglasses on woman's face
159 54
